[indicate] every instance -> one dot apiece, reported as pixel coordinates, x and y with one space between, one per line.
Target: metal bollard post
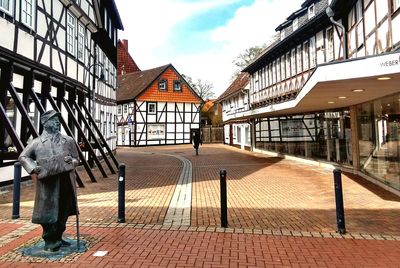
337 177
121 193
16 190
224 202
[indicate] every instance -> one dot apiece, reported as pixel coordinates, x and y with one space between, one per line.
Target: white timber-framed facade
156 107
321 95
58 55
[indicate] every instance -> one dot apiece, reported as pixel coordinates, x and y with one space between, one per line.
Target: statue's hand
68 159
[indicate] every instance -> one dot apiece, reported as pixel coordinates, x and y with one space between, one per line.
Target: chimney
125 42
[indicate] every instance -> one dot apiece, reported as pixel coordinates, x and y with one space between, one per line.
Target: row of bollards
337 176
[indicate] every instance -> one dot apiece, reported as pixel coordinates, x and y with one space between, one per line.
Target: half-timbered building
328 89
61 55
156 107
235 100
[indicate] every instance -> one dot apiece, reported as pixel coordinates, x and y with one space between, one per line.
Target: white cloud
148 24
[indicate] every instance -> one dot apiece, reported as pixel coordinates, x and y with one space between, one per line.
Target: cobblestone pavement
281 213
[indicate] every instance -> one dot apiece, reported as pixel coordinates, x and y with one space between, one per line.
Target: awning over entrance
341 84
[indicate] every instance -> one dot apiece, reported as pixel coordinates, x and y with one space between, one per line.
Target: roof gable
125 63
143 85
237 85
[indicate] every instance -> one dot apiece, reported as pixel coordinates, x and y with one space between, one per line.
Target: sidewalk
281 213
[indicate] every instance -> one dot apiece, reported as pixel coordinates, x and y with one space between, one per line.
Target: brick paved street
281 213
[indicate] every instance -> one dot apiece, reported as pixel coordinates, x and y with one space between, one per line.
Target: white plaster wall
25 44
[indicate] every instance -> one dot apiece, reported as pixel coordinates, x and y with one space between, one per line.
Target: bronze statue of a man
51 159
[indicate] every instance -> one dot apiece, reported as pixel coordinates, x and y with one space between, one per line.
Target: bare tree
203 88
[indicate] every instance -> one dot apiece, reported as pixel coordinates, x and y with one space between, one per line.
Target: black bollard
337 177
17 190
224 202
121 193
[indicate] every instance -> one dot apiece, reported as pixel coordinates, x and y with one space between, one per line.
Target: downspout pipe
330 13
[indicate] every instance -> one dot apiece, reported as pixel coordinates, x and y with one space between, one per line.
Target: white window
81 42
283 73
329 42
177 85
395 4
71 26
311 11
6 6
299 61
293 62
119 109
27 12
295 24
151 108
306 49
312 52
162 85
288 65
125 108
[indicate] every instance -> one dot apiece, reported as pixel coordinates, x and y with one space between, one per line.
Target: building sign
155 131
391 62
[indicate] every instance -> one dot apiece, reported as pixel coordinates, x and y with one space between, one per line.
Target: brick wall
154 94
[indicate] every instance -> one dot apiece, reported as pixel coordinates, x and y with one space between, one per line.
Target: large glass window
27 12
379 139
71 26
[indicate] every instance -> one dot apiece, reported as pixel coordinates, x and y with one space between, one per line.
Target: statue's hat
47 115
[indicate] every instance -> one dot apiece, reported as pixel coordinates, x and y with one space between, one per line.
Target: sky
200 38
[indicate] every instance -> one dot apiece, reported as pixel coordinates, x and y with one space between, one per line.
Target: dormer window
177 85
282 34
162 85
5 5
295 24
311 11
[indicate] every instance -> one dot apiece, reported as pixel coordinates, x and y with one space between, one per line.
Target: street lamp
330 13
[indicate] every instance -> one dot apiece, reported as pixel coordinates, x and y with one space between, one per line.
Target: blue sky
200 38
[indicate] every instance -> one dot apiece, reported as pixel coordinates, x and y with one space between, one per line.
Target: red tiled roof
125 63
240 83
132 84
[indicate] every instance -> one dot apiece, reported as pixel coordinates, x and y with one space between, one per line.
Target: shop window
162 85
177 85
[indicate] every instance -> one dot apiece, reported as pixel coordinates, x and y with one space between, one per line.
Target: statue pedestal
36 250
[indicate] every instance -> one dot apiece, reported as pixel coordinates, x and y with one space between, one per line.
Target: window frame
24 3
311 11
164 82
119 109
8 11
394 7
125 109
151 104
80 35
71 33
177 82
295 24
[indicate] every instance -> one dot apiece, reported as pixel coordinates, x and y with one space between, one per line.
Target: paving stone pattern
280 213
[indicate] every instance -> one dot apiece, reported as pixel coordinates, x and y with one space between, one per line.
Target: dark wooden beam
91 119
93 136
